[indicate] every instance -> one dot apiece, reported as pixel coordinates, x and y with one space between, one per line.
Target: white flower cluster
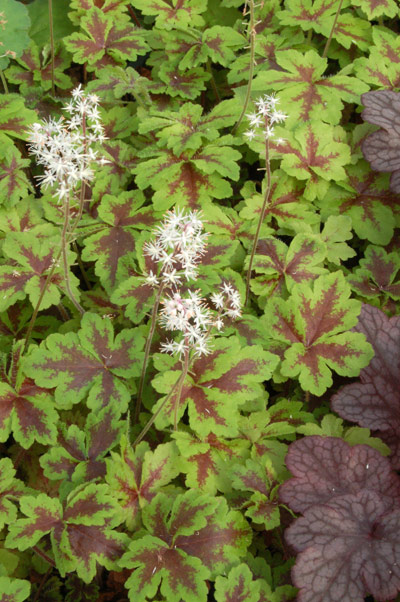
265 117
194 319
63 146
177 248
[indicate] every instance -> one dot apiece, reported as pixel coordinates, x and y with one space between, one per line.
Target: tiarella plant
199 288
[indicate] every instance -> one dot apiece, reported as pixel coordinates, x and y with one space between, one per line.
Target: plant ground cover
199 287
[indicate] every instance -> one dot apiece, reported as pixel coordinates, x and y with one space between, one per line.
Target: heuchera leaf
188 84
121 217
188 539
378 275
80 453
106 41
325 468
374 401
219 382
91 361
313 153
348 548
348 536
307 14
80 530
135 476
312 323
381 148
305 92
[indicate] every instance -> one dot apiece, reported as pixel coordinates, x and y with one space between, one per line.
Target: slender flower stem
328 42
64 247
160 409
261 219
39 302
252 29
149 340
3 81
185 368
53 88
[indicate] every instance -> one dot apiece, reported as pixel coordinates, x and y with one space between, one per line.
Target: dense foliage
199 277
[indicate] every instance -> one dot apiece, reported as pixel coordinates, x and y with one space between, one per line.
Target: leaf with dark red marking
187 84
14 184
312 324
11 489
326 468
307 14
378 276
17 590
377 8
182 14
135 476
189 180
187 129
189 538
285 202
114 8
238 586
218 384
80 453
261 506
105 41
81 535
374 401
282 266
135 296
305 92
14 116
347 549
30 259
313 152
121 217
27 411
32 70
366 199
206 461
89 362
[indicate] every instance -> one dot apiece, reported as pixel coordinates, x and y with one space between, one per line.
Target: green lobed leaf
90 362
314 326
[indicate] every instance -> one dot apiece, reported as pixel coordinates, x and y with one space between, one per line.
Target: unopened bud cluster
64 146
177 248
263 120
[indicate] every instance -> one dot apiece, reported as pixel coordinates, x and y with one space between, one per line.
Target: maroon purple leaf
374 401
382 148
325 468
348 548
